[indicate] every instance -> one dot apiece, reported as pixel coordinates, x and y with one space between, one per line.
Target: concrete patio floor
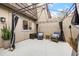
38 48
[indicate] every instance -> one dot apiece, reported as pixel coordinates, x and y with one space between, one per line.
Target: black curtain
12 29
62 38
76 15
16 20
36 30
75 18
14 23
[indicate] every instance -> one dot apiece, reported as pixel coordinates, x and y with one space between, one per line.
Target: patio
31 22
39 48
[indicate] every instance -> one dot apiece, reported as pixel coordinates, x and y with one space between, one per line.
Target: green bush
6 33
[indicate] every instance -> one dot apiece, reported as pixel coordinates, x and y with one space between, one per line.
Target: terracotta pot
6 44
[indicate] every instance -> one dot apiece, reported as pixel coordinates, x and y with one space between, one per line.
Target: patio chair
40 35
55 36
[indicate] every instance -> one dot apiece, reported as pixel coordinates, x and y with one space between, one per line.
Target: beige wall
20 33
66 24
23 34
42 14
75 30
4 12
44 24
49 28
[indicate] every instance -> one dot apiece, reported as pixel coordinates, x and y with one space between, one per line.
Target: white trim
25 30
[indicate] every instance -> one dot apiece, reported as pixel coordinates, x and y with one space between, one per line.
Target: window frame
28 22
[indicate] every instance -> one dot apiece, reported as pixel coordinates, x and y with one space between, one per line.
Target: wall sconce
2 19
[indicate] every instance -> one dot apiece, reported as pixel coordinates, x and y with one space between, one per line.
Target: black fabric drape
14 23
16 20
36 30
76 15
62 38
12 29
75 18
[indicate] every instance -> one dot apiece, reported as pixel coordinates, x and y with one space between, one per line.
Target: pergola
27 9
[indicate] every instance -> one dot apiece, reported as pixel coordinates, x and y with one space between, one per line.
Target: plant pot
6 44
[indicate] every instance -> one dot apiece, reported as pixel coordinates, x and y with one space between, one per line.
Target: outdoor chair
55 36
40 35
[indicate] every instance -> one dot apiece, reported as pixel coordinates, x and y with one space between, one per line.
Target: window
30 25
27 25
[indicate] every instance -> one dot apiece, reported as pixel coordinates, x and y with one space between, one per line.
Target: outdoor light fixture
2 19
43 7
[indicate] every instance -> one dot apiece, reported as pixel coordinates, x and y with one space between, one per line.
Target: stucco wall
66 29
20 33
44 25
23 34
75 30
49 28
4 12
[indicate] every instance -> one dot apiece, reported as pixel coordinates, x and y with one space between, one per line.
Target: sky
55 7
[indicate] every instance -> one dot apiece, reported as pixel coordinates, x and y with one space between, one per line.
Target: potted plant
6 36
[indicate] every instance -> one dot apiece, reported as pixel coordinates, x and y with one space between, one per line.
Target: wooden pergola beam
29 11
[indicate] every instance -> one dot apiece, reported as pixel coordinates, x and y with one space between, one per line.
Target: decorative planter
6 44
